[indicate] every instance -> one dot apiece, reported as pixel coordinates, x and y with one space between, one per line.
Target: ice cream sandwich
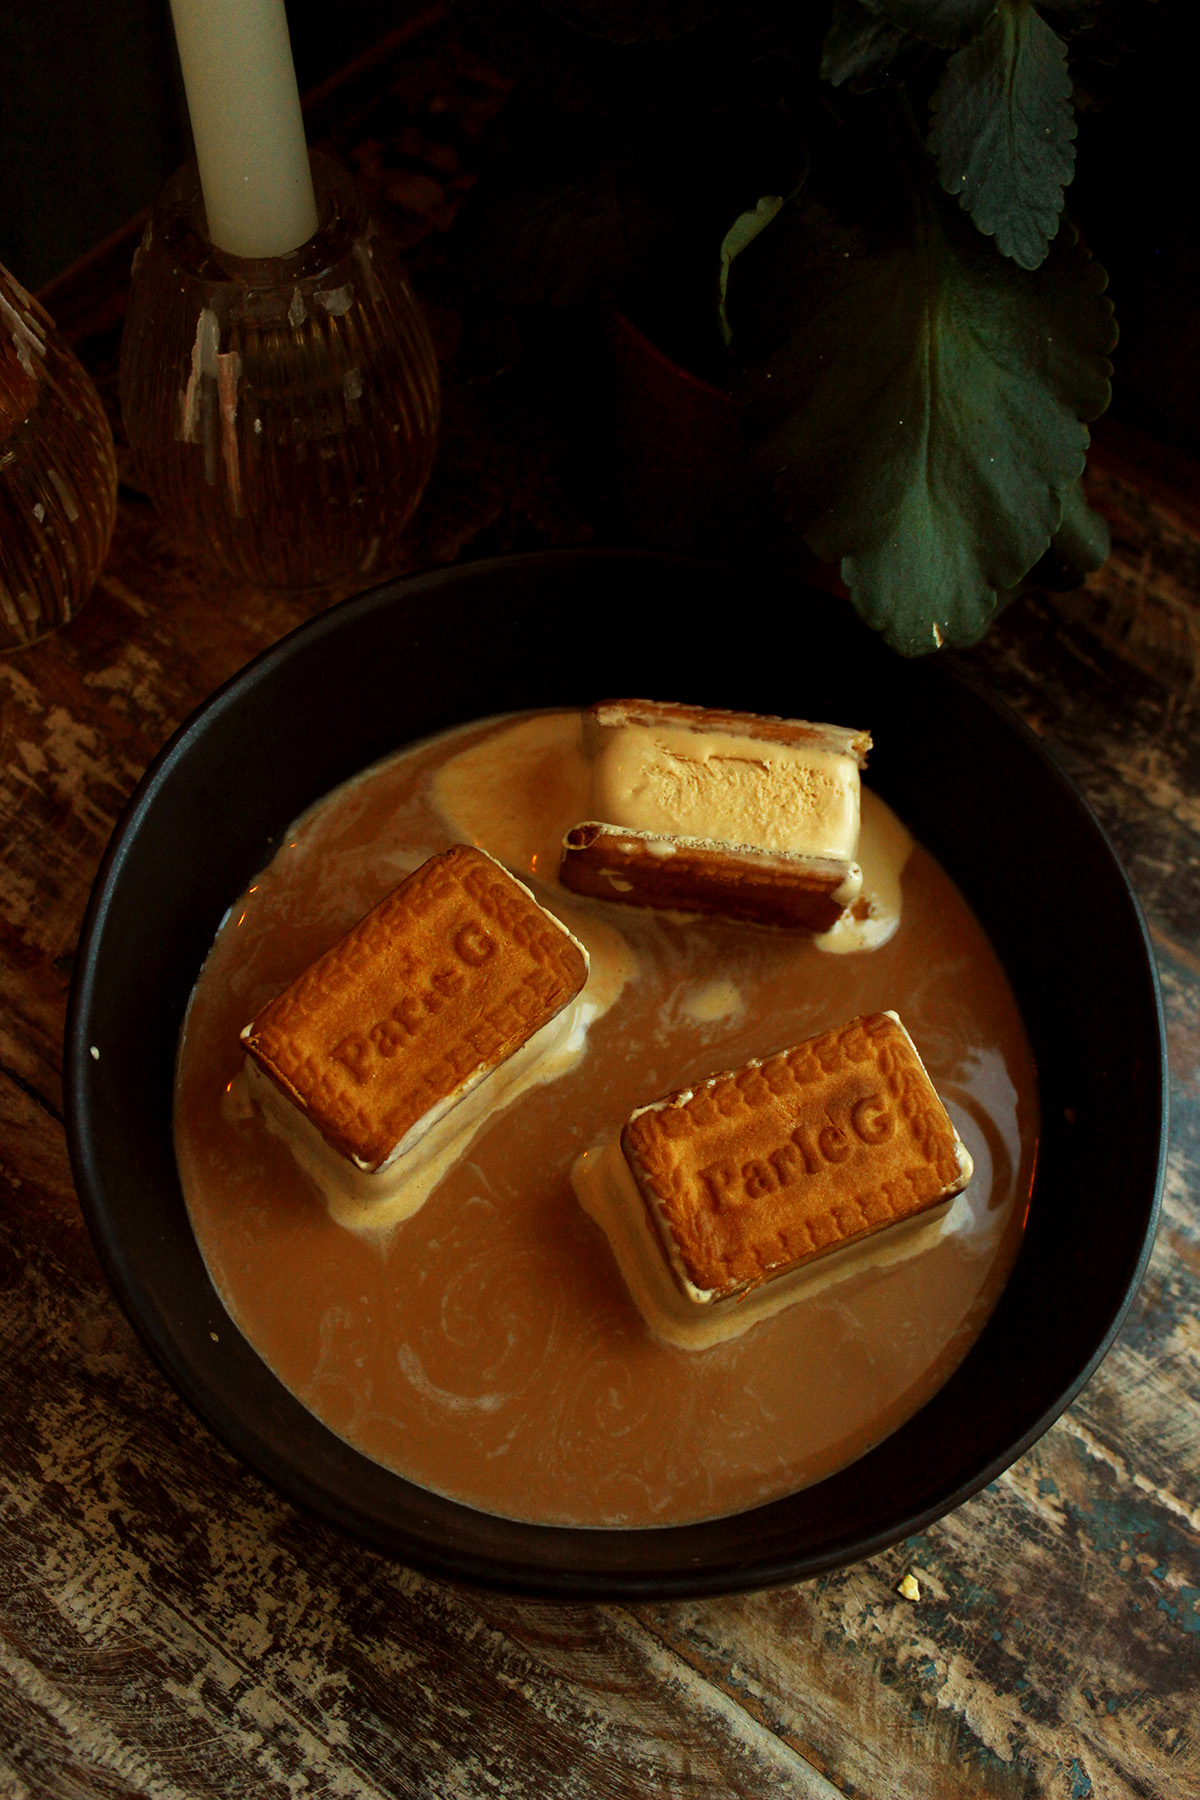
725 1201
457 990
728 812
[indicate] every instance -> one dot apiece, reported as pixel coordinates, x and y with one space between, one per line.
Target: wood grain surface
169 1627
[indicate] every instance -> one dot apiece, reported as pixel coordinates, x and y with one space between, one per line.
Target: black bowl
565 628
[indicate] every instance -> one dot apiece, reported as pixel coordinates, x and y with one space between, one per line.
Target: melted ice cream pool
486 1347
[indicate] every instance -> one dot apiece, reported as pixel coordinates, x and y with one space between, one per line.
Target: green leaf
917 398
860 47
945 23
1079 546
1002 131
741 234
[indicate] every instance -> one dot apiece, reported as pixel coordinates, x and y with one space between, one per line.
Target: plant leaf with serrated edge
860 46
917 399
1002 131
1080 545
946 23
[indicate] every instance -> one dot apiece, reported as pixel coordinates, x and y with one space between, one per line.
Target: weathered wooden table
170 1627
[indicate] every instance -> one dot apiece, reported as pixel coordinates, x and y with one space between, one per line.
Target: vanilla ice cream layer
374 1201
788 798
608 1193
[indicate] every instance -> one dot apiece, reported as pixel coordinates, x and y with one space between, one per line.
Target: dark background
92 121
93 118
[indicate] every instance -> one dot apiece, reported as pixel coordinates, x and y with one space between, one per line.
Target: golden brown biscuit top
440 983
756 1171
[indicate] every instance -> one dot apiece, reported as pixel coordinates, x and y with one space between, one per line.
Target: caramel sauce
486 1347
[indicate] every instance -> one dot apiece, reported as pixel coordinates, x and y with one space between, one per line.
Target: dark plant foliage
916 376
1002 130
864 48
932 462
946 23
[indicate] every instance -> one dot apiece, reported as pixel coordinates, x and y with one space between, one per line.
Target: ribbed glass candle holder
58 474
283 411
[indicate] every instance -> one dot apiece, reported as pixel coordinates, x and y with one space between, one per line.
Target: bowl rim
676 1579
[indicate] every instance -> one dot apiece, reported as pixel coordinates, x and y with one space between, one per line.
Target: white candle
244 105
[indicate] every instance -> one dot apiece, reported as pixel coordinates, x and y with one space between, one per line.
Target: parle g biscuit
709 811
753 1172
417 1005
758 1172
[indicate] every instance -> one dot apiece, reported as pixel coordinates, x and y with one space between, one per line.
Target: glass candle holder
58 474
282 411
